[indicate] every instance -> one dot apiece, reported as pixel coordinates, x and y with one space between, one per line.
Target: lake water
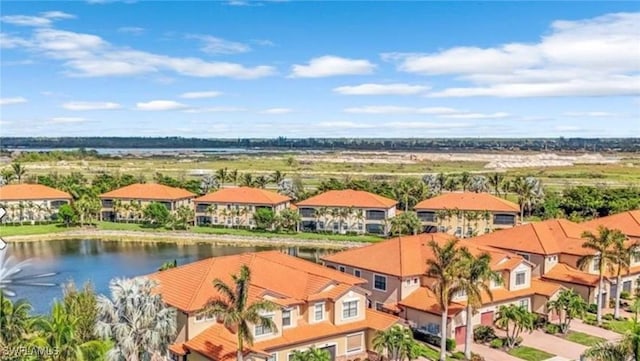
100 261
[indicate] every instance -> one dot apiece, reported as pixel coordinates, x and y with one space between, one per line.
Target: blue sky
320 69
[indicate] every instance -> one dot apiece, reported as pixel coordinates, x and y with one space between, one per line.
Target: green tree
19 171
87 208
57 331
277 176
15 321
396 343
514 320
311 354
495 181
622 253
156 214
222 175
603 256
81 306
246 180
465 181
233 308
67 214
264 218
288 220
568 306
136 319
445 269
168 265
183 217
405 223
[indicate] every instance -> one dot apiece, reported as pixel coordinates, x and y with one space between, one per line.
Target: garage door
461 333
486 318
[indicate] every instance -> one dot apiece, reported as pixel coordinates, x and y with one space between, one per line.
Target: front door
486 318
461 333
332 352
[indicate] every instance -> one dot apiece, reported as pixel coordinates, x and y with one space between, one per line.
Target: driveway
553 344
491 354
578 325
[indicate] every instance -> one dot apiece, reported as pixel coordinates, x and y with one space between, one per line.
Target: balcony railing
375 215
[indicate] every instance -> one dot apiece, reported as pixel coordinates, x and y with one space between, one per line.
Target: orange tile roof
178 348
627 222
538 287
218 343
407 256
189 287
565 273
468 201
553 236
244 195
348 198
149 191
423 299
333 293
30 192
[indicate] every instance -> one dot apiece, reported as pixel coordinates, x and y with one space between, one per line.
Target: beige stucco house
31 202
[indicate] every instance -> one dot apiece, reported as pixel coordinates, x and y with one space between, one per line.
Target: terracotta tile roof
468 201
305 332
218 343
553 236
407 256
189 287
178 348
565 273
244 195
149 191
423 299
348 198
30 192
333 293
627 222
538 287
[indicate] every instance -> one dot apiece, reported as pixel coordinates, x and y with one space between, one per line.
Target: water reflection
100 261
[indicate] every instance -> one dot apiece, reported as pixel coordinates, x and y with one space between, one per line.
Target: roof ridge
538 237
194 295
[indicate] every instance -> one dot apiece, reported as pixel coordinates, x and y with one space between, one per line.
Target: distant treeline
398 144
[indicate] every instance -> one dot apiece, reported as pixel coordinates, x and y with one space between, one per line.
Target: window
374 228
415 281
200 317
380 282
318 311
524 303
273 357
408 281
458 231
460 294
341 269
596 264
354 343
520 278
379 306
286 317
427 216
374 215
504 219
360 226
433 328
356 272
349 309
636 256
441 229
260 330
524 255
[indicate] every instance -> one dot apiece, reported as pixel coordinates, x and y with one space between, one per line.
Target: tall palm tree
277 176
622 253
246 180
602 244
395 342
18 171
233 177
465 181
211 210
495 181
57 332
476 279
441 180
261 181
234 310
15 321
136 319
222 175
445 269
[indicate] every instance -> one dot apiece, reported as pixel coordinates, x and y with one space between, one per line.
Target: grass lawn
583 338
619 326
529 353
25 230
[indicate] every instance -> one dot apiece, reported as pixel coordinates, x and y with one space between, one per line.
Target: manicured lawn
25 230
529 353
619 326
583 338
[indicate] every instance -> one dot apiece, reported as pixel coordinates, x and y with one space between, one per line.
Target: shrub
458 355
484 334
476 357
606 326
497 343
590 322
434 340
551 328
519 340
593 308
608 317
451 344
625 295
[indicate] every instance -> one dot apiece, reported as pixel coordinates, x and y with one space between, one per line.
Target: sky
249 69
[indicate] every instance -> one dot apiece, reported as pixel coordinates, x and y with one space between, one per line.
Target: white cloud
160 105
329 65
87 55
391 109
57 15
591 57
79 106
590 114
215 45
45 19
277 111
200 94
135 30
66 120
13 100
215 110
497 115
7 41
391 125
381 89
263 42
567 128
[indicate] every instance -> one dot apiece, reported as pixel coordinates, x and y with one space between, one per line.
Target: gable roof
407 256
627 222
468 201
545 238
562 272
245 195
348 198
273 274
30 192
150 191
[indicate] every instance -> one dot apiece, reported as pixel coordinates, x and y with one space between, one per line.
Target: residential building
627 222
466 214
127 203
555 247
317 307
345 211
31 202
396 274
236 206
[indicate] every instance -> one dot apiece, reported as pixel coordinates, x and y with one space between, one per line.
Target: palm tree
246 180
465 181
57 332
603 256
136 319
514 319
622 254
476 279
222 175
445 268
15 321
522 189
261 181
18 171
233 309
486 216
395 342
441 180
451 185
233 177
312 354
495 181
568 305
277 177
627 349
211 210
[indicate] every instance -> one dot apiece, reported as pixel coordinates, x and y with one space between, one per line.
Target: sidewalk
579 326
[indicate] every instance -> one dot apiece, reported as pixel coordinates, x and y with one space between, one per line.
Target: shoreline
182 238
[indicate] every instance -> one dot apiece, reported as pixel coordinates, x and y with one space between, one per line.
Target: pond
100 261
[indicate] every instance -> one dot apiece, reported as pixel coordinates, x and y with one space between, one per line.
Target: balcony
426 216
375 215
504 219
107 203
307 212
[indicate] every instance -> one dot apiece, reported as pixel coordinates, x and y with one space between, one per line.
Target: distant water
100 261
121 151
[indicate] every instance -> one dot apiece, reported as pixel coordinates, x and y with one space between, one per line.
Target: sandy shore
183 238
